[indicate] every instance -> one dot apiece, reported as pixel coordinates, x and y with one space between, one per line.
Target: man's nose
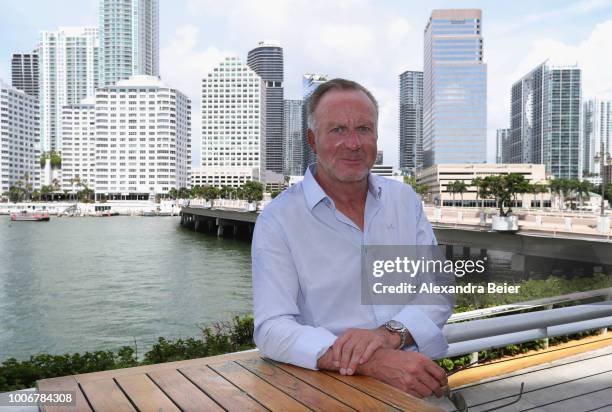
353 140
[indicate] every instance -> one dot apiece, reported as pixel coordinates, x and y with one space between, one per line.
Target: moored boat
25 216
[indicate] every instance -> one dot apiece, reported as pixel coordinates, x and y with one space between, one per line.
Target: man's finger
426 379
337 349
355 357
437 372
423 390
369 351
345 356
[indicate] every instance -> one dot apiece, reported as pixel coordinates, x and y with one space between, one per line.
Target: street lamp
603 158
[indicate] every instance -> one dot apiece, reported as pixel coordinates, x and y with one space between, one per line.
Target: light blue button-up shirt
307 270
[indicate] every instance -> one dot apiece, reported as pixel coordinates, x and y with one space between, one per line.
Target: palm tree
539 188
450 188
420 189
583 189
460 187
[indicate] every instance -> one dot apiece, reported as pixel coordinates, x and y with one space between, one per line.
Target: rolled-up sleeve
278 335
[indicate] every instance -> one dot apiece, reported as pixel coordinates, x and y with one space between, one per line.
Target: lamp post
604 159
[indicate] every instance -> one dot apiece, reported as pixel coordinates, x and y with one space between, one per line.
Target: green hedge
218 339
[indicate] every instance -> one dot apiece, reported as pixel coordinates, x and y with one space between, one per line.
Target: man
307 257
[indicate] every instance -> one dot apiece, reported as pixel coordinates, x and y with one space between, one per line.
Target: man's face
345 135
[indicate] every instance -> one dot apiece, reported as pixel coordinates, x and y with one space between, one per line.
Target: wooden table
242 381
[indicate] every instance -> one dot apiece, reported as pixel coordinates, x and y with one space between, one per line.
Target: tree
460 187
504 188
420 189
183 193
226 192
210 193
583 190
540 189
252 191
172 193
450 188
56 160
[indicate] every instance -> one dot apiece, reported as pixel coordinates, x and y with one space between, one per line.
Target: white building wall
143 137
19 138
68 60
233 121
79 145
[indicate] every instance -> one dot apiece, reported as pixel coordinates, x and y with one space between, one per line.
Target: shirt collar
314 193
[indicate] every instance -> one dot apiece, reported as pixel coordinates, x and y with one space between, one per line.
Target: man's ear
311 140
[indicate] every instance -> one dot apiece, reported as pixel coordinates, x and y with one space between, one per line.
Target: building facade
233 122
19 138
143 138
79 146
310 82
293 138
129 39
267 61
597 129
24 72
501 144
454 88
545 120
437 177
411 121
68 61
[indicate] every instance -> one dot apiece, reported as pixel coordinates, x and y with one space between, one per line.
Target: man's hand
356 346
410 372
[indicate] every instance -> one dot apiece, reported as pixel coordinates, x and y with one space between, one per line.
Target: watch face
393 324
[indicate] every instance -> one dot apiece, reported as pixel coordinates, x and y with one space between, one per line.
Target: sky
370 41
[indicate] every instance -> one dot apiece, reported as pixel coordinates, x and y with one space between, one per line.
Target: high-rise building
267 61
454 88
501 144
545 120
143 138
68 61
129 39
293 138
411 121
19 145
79 145
233 124
597 128
310 82
24 72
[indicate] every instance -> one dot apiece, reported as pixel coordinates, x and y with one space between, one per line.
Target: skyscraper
597 127
19 146
545 120
501 144
293 138
24 72
267 61
79 144
143 138
310 82
411 121
233 125
454 88
129 39
69 73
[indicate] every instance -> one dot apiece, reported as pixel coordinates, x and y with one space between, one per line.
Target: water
83 284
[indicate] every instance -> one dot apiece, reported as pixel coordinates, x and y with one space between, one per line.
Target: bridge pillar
220 231
197 225
210 224
448 249
235 229
466 252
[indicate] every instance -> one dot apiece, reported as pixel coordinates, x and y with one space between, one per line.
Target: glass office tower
454 88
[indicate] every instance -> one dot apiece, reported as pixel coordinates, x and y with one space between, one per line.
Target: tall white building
233 124
143 138
19 138
597 128
79 145
129 39
68 64
293 138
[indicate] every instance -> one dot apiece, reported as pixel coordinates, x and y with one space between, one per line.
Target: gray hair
335 84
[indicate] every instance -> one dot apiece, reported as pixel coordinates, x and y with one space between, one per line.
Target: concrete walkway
578 383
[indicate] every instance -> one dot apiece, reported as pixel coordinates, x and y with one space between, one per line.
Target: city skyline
200 34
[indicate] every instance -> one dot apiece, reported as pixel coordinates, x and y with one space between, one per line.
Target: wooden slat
219 389
93 376
105 395
387 393
64 384
257 388
315 399
184 393
145 394
338 389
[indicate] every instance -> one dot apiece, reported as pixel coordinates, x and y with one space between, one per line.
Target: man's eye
337 130
364 129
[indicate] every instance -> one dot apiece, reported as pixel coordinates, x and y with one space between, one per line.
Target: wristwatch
398 327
